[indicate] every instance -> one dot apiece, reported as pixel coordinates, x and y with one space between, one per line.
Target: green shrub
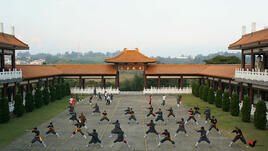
68 89
211 96
18 107
197 90
4 110
194 88
205 93
38 99
52 93
218 98
225 102
246 109
200 91
234 105
29 102
46 96
260 115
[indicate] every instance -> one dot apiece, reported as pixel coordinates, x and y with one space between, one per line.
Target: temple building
20 78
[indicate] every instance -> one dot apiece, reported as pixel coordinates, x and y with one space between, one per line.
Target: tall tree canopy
223 60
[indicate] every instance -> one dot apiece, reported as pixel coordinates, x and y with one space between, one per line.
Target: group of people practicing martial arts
80 122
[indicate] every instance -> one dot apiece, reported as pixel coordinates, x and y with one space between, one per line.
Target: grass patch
17 126
227 123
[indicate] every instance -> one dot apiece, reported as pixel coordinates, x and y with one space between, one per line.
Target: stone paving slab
135 132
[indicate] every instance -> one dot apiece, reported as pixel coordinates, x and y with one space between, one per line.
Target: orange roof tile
86 69
130 56
38 71
216 70
255 38
175 68
10 41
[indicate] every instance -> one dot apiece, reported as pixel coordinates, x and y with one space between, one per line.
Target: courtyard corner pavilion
229 77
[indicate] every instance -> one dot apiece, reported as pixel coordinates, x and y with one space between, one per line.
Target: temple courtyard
135 132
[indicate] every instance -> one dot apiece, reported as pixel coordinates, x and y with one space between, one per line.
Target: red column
251 94
46 83
2 60
242 59
181 82
252 60
103 82
144 76
84 82
14 90
220 85
158 82
80 82
116 76
208 82
230 88
241 91
53 81
38 84
13 56
21 90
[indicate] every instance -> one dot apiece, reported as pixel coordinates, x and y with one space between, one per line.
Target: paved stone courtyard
135 133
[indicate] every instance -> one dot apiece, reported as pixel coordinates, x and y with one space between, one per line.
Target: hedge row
222 100
40 98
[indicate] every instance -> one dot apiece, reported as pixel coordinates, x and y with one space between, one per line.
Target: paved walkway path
135 132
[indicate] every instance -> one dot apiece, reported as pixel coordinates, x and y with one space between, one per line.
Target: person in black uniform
90 100
159 116
127 111
132 116
239 135
203 136
170 112
196 111
78 129
105 117
51 130
191 116
151 126
116 128
181 127
94 138
207 113
96 109
166 138
151 111
37 137
99 97
214 125
120 138
74 117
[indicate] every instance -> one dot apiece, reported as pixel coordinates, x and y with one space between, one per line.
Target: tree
211 96
225 102
223 60
46 96
234 105
18 107
4 110
29 102
38 99
246 110
52 93
200 92
218 98
205 93
260 115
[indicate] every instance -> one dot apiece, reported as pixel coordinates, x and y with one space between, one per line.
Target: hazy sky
157 27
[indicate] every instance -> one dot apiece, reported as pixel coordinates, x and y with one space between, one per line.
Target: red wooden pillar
230 88
38 84
13 56
208 82
220 85
14 90
251 94
243 60
53 81
252 60
46 83
241 92
83 82
21 90
144 76
116 76
158 82
265 61
103 82
80 82
2 60
181 82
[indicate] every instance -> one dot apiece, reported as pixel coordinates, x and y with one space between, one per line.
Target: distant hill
91 57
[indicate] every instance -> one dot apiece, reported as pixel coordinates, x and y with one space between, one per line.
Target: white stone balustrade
168 90
90 90
8 75
251 75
